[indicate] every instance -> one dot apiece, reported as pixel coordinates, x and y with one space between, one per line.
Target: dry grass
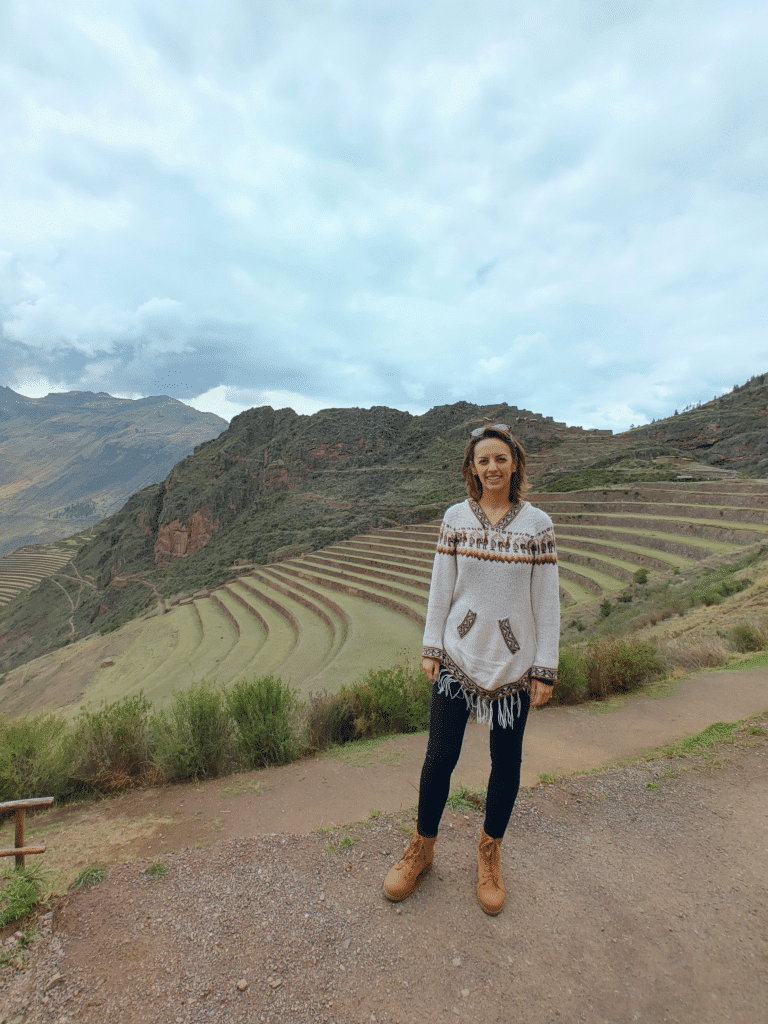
692 655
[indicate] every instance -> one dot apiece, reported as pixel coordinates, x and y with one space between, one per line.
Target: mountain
68 460
276 483
730 432
272 484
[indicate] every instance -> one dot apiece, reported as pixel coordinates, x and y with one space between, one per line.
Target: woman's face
494 463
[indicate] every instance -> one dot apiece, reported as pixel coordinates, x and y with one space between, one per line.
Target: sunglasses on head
501 427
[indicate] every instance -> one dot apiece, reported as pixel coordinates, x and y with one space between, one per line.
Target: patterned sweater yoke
493 618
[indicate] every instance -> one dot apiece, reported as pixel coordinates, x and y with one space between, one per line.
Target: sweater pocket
466 623
509 637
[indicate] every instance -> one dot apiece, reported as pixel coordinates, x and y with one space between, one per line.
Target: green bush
605 608
571 685
386 701
716 585
194 737
114 745
264 713
620 665
391 701
747 638
36 758
641 576
329 719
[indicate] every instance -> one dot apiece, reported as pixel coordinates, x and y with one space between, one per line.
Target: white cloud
30 384
337 204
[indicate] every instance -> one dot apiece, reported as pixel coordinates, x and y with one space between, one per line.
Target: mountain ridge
276 483
69 459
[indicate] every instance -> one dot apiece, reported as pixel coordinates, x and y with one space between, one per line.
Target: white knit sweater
493 618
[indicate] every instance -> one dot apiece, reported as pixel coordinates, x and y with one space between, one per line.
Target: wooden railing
19 807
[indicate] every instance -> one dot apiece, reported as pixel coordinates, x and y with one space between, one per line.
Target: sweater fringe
482 707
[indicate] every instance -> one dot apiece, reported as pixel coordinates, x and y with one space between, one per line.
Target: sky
559 204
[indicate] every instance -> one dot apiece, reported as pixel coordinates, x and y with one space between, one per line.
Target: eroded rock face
177 540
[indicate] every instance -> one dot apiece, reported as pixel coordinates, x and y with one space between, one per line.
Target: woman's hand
432 667
539 691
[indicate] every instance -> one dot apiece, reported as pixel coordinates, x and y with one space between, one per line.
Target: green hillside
276 486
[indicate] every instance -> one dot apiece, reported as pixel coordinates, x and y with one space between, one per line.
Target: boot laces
490 870
415 849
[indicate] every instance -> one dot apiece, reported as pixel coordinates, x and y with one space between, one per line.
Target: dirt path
638 894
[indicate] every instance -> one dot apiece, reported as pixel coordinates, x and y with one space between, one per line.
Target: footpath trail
637 894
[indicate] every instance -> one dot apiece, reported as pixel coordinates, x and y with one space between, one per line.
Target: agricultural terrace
25 567
324 618
605 536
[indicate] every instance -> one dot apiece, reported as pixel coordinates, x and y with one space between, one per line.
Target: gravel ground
638 894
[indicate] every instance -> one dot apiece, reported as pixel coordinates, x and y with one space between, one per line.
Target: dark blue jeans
447 721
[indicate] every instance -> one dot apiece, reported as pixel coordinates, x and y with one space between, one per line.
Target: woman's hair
517 485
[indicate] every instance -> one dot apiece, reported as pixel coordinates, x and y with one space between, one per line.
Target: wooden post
19 844
19 807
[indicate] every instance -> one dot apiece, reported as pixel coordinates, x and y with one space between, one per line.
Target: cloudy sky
555 203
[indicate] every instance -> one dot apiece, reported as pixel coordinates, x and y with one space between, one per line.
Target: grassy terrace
323 618
24 568
329 613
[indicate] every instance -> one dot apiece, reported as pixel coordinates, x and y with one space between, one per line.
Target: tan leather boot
490 888
403 878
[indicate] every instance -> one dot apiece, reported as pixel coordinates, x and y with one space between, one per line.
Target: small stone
18 935
346 943
464 993
457 961
242 985
275 983
57 979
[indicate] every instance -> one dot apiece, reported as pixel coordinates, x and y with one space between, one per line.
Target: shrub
746 638
392 701
329 719
386 701
715 586
619 665
641 576
605 608
36 758
114 745
264 713
571 685
194 737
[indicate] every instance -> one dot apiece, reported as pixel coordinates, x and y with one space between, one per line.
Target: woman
490 646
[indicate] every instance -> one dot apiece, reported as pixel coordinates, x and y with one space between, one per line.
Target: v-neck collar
485 522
